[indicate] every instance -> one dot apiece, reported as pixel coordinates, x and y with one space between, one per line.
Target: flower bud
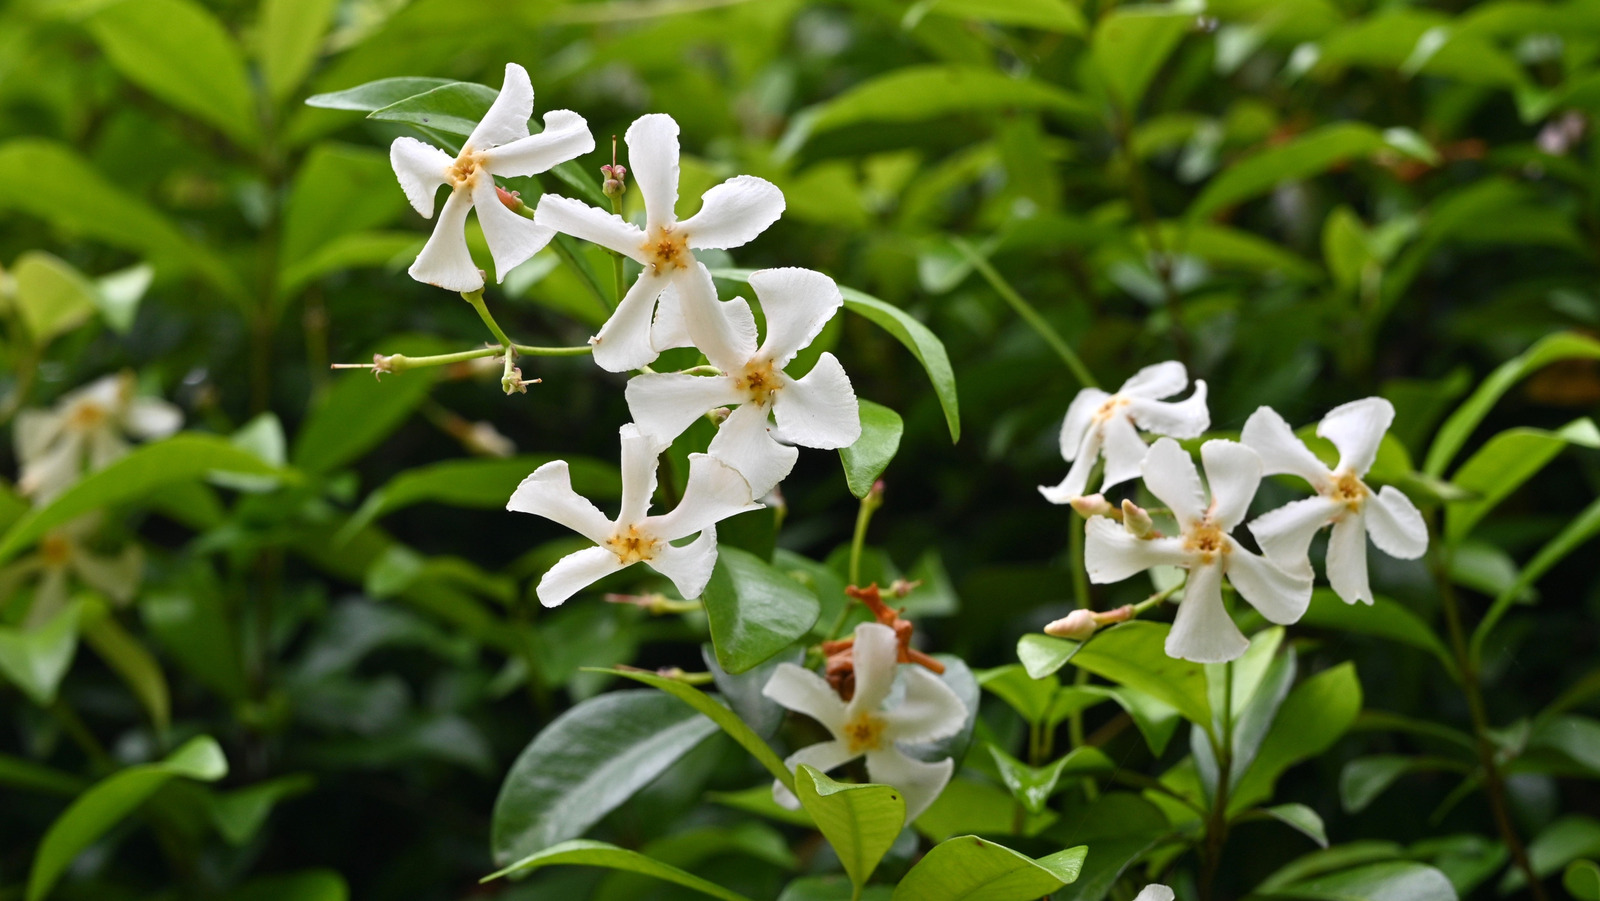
1136 520
1077 626
511 199
616 179
1093 505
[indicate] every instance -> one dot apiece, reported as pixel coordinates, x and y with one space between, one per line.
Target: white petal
548 493
1170 475
512 238
1188 418
797 304
50 597
151 417
445 261
715 491
565 136
1356 429
1124 450
1078 475
1075 427
822 756
582 221
623 343
106 447
35 431
118 577
876 659
1267 434
1233 472
421 170
1156 381
803 691
663 404
48 474
920 783
575 572
1285 533
641 455
1156 893
1111 554
929 712
689 567
1281 596
1202 630
819 410
733 213
744 441
507 118
1347 560
653 162
724 332
1395 524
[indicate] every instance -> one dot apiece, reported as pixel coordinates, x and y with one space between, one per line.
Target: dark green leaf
1582 880
1134 654
1307 155
451 108
754 610
1390 881
866 460
1312 718
1301 818
581 852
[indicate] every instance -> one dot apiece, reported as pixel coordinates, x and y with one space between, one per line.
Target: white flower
818 410
63 554
1202 631
731 214
929 711
714 493
1356 511
500 145
90 421
1099 423
1156 893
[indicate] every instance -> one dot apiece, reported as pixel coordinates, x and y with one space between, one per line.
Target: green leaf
392 249
179 52
722 716
1461 424
51 296
754 610
112 799
193 626
585 764
1575 737
1033 786
1129 46
453 108
1048 15
339 189
1582 880
1383 618
859 821
866 460
1311 719
15 772
375 95
240 814
968 868
758 800
148 469
1397 880
357 414
1579 530
1134 654
1365 778
306 885
930 92
582 852
291 31
117 295
36 660
1503 464
1029 697
1042 655
1310 154
1301 818
129 658
968 805
832 888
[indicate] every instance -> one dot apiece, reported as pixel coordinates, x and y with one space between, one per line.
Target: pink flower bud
1093 505
511 199
1077 625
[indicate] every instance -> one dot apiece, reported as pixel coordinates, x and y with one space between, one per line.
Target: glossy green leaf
111 800
1129 46
1307 155
692 848
866 460
1033 786
1134 654
1503 464
968 868
1388 881
178 51
969 805
587 762
1365 778
1576 738
453 108
1029 697
582 852
37 659
754 609
859 821
758 800
1312 718
51 296
126 655
291 31
375 95
1582 880
1042 654
1119 828
1302 819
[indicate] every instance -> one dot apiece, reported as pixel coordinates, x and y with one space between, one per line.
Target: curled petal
1203 631
822 756
1170 475
565 136
575 572
1111 554
512 238
151 417
653 157
1395 524
663 404
744 441
1347 560
1075 428
1156 381
689 567
623 343
1285 533
1234 473
1267 434
919 782
445 261
819 410
1281 596
641 455
1356 429
797 304
580 220
421 170
876 657
715 491
1188 418
1124 450
507 118
803 691
1077 479
548 493
733 213
724 332
929 712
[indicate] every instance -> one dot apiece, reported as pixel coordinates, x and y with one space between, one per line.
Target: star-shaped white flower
818 410
929 711
88 422
1342 499
1099 424
1202 631
714 492
500 145
731 214
64 555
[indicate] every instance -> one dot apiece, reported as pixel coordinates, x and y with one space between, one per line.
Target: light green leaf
1048 15
1028 696
37 659
1312 718
179 52
1033 786
453 108
291 31
866 460
51 296
1042 655
859 821
582 852
112 799
1301 818
1397 880
1130 45
117 295
130 659
758 800
968 805
1582 880
1503 464
1307 155
754 610
375 95
1134 654
929 92
968 868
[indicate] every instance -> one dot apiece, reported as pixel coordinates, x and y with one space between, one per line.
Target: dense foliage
267 630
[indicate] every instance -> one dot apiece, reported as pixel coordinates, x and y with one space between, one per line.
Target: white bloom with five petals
1100 424
88 422
929 711
818 410
731 214
1202 631
499 145
1343 499
714 492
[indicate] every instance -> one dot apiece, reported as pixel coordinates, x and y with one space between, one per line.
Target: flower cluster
1277 582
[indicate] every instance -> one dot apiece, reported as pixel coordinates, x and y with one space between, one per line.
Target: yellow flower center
759 381
666 250
864 733
1206 540
1348 489
1110 407
630 546
87 416
464 172
55 550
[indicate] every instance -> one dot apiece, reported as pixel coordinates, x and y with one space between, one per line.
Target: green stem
1028 313
858 542
476 299
617 276
529 350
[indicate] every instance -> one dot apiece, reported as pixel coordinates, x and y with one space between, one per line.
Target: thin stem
858 541
476 299
529 350
617 275
1028 313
